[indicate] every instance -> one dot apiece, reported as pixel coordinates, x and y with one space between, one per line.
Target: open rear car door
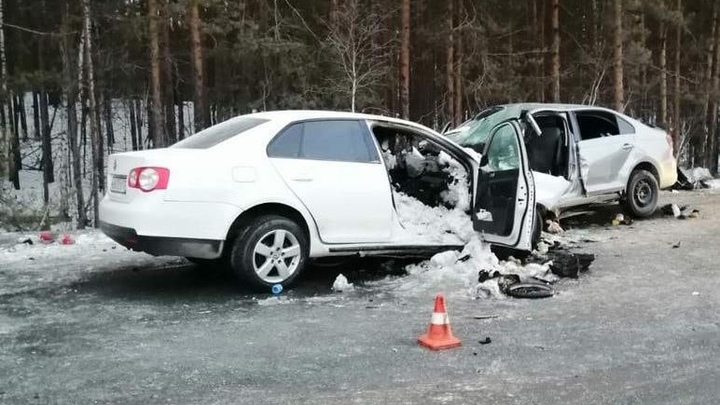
504 206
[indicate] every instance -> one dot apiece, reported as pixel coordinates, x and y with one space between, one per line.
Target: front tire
271 250
642 193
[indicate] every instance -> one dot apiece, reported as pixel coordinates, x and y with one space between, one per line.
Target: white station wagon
582 155
267 192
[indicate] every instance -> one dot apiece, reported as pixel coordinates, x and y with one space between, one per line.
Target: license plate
118 184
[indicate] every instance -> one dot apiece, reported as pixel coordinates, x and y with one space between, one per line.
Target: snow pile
457 194
341 284
433 224
456 273
700 177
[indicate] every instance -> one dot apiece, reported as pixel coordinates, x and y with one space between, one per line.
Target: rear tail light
149 178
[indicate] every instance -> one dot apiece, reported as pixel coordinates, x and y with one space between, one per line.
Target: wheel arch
267 208
648 166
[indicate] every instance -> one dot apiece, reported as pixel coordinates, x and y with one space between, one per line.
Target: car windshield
476 131
221 132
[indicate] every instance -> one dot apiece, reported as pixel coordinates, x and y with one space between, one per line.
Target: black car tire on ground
641 195
273 242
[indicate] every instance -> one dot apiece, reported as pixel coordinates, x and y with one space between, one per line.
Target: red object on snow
67 239
46 236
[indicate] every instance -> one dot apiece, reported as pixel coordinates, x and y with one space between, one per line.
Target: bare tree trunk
133 125
458 66
334 13
22 116
618 88
108 118
48 168
16 158
555 50
4 139
663 75
449 64
202 111
181 111
167 70
677 127
139 126
701 141
36 116
70 89
156 109
405 59
97 149
712 150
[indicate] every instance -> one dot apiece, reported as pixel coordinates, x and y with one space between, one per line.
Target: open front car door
504 206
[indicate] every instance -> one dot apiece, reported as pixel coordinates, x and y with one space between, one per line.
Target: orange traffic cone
439 336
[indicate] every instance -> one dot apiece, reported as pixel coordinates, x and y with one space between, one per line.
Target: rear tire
271 250
641 195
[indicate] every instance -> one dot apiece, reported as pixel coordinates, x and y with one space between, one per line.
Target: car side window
341 140
503 152
287 144
624 126
597 124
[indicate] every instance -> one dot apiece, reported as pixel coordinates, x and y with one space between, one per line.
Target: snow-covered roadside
56 263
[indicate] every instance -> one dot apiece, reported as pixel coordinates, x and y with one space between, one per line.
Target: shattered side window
503 152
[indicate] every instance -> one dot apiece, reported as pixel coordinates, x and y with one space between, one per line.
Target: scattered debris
676 245
530 290
27 241
678 212
553 226
696 178
485 341
46 237
486 316
621 219
341 284
67 239
696 293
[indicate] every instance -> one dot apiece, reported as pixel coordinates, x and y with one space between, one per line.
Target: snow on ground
48 261
456 273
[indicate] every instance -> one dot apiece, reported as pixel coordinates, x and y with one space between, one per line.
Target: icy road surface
92 323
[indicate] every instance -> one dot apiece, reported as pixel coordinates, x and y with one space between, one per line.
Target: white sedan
582 155
268 192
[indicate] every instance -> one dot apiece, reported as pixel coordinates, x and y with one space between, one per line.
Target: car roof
553 106
299 115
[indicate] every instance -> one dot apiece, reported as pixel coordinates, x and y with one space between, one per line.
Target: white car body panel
359 208
346 207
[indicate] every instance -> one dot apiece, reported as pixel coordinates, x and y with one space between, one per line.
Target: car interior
414 165
548 152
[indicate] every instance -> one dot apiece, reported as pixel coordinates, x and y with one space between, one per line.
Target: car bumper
163 246
668 173
159 227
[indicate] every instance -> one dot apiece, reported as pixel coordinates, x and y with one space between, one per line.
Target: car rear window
221 132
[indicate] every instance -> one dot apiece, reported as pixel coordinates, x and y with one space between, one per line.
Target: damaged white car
268 192
582 155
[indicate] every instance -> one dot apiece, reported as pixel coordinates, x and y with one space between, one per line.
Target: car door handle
304 179
628 146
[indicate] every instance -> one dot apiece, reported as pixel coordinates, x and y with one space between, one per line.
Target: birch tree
359 58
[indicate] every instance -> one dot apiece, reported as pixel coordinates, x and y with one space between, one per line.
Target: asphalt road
643 326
